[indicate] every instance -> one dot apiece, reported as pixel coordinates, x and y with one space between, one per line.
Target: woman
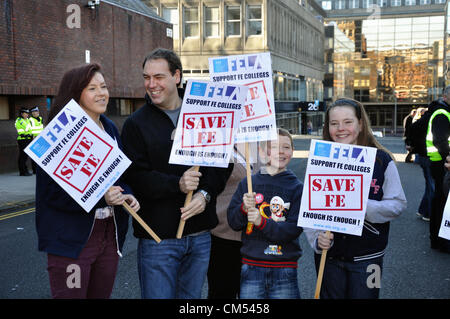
352 259
83 248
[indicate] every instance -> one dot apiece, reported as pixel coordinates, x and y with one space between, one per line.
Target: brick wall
37 47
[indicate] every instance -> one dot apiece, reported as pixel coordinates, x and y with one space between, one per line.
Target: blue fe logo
41 145
340 151
198 89
237 63
203 89
220 65
322 149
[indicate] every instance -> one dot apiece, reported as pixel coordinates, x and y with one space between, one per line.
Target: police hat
24 110
35 109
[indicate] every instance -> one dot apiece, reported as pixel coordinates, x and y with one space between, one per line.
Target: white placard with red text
258 121
444 230
83 159
207 125
336 189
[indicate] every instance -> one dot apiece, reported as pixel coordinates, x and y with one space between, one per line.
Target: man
37 126
174 268
417 136
24 138
438 148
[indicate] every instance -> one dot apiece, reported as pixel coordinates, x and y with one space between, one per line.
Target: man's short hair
171 57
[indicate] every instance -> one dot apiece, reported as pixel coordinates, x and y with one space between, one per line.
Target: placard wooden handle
141 222
321 268
249 182
186 202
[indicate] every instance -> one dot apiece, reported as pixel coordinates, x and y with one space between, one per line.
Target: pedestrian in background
24 137
92 241
438 148
407 121
346 269
417 136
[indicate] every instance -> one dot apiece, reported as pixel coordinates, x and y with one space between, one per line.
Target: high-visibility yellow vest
23 128
432 151
37 125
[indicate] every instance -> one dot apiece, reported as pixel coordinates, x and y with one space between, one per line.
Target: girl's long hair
365 137
72 84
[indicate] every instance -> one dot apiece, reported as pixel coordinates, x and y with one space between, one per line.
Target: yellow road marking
18 213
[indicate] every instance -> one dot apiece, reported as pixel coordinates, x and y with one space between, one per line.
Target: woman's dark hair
171 57
72 84
365 137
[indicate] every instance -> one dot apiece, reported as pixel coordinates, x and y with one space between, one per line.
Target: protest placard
336 190
78 155
337 184
207 125
258 121
254 71
83 159
444 230
206 128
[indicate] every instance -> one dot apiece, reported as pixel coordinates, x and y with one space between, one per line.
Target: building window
212 21
125 107
171 15
340 4
439 1
254 19
154 9
326 5
233 18
382 3
423 2
4 108
353 4
410 2
367 3
396 3
190 22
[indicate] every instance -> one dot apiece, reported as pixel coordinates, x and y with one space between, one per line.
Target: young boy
270 250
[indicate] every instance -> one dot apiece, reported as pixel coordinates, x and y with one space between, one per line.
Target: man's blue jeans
350 280
268 283
174 268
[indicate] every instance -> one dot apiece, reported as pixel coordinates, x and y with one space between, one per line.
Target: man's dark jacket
147 136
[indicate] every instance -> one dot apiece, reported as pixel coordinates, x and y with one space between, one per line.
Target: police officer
37 126
36 121
438 147
24 138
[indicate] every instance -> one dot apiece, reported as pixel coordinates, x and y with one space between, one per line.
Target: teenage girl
352 259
